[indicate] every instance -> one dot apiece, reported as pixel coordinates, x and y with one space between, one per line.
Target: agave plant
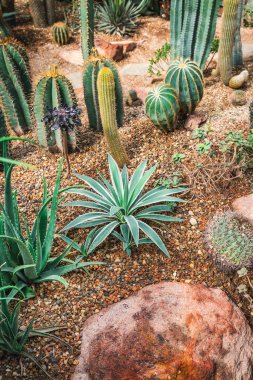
118 17
120 207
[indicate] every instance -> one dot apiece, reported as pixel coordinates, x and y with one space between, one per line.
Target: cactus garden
126 160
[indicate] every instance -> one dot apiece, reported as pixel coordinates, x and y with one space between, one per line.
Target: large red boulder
168 331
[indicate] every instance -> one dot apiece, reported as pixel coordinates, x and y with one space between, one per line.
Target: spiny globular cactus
193 25
60 33
107 104
90 76
53 90
15 86
162 107
228 30
230 242
87 27
187 79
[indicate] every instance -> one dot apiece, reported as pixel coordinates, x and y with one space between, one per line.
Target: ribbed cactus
91 71
251 115
107 105
192 28
237 49
42 12
60 33
4 29
87 27
15 86
162 107
228 30
3 133
187 79
53 91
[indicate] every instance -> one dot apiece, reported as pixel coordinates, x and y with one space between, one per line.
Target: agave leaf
133 227
116 179
57 260
135 193
87 204
95 197
152 235
44 278
101 234
84 218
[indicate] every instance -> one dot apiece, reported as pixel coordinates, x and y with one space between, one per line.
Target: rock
195 120
133 100
237 81
127 45
244 208
111 51
135 69
238 98
166 329
193 221
72 56
76 78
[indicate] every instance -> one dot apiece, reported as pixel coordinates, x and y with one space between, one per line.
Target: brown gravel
123 275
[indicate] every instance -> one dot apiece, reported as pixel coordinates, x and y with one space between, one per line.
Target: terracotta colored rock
244 208
195 121
127 45
168 331
111 51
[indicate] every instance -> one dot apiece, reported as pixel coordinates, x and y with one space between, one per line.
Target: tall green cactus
15 86
3 132
91 71
53 91
228 30
42 12
87 27
187 79
193 25
237 49
107 104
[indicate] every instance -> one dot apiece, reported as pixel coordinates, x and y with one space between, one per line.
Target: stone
195 120
244 208
164 330
127 45
193 221
132 99
111 51
238 98
74 57
135 69
76 79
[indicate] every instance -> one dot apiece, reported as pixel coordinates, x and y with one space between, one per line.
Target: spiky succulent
230 242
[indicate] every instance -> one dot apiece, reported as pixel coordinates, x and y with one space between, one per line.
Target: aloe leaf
56 278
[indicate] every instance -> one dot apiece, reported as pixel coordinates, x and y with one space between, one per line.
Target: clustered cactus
230 242
60 33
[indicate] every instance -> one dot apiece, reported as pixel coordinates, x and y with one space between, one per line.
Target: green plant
15 86
173 180
204 148
200 134
251 115
26 252
121 206
107 107
53 90
87 27
187 79
160 62
229 22
118 17
237 48
178 157
90 76
248 15
192 28
214 50
42 12
60 33
229 241
3 151
162 107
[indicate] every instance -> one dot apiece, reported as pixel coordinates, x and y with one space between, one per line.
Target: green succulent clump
230 242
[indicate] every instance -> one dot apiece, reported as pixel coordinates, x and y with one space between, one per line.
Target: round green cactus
162 107
187 79
60 33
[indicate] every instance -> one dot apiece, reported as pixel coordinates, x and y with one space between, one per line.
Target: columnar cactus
91 71
193 25
15 86
107 105
187 79
42 12
3 132
251 115
237 49
87 27
228 30
60 33
53 91
162 107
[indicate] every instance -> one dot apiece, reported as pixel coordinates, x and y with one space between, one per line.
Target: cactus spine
60 33
228 30
87 27
237 49
42 12
91 71
15 86
162 107
187 79
107 104
53 91
193 26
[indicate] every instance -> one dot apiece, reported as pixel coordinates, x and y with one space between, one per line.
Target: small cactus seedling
53 91
186 78
162 107
230 242
60 33
107 105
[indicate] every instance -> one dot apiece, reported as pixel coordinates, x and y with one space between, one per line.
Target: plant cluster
248 15
160 62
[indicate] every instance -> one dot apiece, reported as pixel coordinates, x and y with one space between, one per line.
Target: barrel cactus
186 78
53 90
162 107
60 33
87 27
107 105
15 86
91 71
229 241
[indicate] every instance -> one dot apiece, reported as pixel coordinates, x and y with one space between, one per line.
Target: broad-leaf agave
120 207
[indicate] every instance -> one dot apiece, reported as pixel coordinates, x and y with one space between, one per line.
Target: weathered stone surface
134 69
111 51
244 207
238 98
168 331
195 120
